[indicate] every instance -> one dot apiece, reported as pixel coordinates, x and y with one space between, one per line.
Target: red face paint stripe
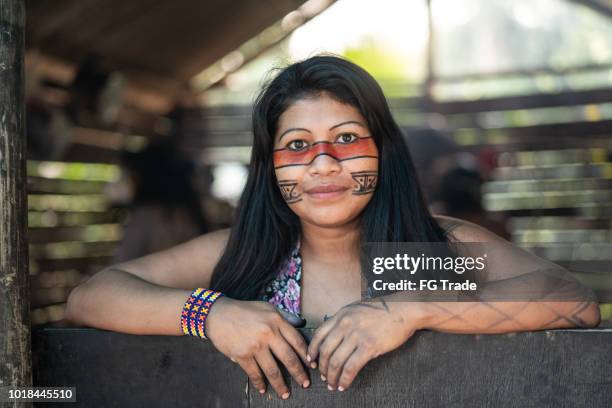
364 147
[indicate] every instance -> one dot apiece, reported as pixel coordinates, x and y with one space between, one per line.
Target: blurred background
138 119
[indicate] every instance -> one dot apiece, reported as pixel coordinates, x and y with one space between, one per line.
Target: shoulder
216 239
187 265
210 245
465 231
200 255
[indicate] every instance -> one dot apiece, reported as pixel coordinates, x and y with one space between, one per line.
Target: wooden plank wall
561 368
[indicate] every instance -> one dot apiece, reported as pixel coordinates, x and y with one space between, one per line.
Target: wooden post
15 354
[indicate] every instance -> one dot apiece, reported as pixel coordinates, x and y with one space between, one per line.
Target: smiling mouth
325 192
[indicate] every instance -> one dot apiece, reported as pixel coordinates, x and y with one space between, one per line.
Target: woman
329 171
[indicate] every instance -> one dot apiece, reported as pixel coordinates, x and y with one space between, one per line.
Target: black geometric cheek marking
366 181
287 188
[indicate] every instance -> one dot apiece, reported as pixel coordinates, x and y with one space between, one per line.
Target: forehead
321 110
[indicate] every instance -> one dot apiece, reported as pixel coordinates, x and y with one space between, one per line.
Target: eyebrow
331 128
293 130
347 123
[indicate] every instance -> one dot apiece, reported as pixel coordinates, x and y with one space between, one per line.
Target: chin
328 223
329 218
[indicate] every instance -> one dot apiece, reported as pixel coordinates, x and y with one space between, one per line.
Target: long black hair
266 229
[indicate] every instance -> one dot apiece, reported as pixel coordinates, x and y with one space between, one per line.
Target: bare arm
363 330
504 317
145 295
487 316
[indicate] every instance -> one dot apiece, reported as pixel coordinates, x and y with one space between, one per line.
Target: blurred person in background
461 197
434 154
452 178
53 110
164 207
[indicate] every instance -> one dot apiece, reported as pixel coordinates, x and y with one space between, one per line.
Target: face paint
366 181
363 147
287 188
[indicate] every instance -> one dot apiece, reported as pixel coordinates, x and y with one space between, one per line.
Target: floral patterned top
284 291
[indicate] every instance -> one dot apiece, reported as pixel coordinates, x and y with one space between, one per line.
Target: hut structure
551 167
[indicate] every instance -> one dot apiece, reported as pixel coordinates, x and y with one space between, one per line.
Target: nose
323 165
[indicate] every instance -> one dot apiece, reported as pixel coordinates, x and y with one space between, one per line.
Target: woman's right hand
251 333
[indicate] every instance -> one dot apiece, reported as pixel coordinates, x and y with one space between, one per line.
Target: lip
327 191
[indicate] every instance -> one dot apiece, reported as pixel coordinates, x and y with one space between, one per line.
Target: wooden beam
514 73
595 96
15 354
259 44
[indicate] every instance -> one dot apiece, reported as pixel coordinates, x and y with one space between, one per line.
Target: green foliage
392 71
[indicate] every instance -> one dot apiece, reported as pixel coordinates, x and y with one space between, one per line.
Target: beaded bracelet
195 311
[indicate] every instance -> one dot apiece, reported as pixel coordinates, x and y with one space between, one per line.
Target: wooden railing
561 368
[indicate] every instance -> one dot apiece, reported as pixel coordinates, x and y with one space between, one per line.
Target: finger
327 348
254 373
338 359
270 368
296 340
352 366
287 356
318 337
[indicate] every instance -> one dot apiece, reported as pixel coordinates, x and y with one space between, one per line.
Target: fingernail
340 388
308 357
286 395
306 383
323 377
329 387
262 391
313 365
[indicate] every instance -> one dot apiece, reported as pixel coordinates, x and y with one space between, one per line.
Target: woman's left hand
358 333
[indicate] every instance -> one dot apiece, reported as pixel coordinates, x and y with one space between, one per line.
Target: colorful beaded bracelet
195 311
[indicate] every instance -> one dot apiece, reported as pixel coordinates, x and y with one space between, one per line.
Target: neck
331 244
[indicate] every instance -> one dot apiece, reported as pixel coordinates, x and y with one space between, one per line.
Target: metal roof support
15 354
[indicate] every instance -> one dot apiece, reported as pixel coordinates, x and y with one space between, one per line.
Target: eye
346 138
297 145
